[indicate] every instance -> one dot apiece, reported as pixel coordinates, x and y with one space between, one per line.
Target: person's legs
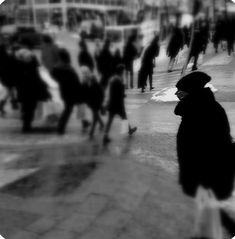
100 121
131 77
107 128
126 78
95 116
229 47
151 81
195 62
64 118
131 129
171 64
28 110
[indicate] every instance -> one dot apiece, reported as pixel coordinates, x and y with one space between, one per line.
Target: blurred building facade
60 12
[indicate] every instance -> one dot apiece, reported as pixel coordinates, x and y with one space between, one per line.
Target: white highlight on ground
1 237
168 94
1 1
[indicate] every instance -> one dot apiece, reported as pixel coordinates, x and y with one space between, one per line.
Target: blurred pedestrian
105 62
130 53
186 31
197 48
31 89
148 64
117 58
8 77
116 104
49 53
176 44
84 56
230 38
69 85
217 35
94 98
204 145
205 32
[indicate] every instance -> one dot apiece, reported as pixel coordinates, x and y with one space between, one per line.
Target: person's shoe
194 68
151 88
142 90
169 71
132 131
106 140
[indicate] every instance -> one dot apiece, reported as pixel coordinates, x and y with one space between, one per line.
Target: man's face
181 94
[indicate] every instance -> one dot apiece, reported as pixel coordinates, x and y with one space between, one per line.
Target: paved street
69 188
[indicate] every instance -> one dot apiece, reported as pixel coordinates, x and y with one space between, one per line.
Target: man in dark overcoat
204 145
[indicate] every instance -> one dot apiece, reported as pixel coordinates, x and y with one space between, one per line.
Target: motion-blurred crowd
103 75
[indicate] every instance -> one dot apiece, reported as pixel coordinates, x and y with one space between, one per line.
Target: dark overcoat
176 43
69 84
204 145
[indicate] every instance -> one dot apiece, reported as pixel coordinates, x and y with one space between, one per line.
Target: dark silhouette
148 64
205 33
197 47
84 57
217 35
117 58
204 145
94 97
70 87
31 89
176 44
105 64
116 105
130 53
186 31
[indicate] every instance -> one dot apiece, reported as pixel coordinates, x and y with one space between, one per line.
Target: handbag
207 220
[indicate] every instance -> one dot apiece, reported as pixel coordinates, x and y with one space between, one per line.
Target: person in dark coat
218 34
204 144
148 64
176 44
186 31
84 57
116 104
229 35
205 32
197 47
94 98
69 85
31 89
105 64
117 58
130 53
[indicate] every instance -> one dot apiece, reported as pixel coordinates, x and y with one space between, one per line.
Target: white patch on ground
165 95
